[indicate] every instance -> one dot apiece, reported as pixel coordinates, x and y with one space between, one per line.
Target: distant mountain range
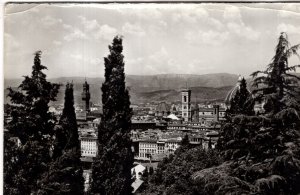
148 88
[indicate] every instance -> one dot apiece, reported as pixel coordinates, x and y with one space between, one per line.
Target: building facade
147 148
186 105
88 146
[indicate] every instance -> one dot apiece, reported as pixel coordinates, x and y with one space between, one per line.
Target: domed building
232 93
162 109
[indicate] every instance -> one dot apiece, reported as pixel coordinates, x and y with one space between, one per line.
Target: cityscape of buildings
157 128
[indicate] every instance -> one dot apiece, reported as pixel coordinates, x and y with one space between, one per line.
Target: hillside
151 87
199 94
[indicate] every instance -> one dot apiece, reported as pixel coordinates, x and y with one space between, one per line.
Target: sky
157 38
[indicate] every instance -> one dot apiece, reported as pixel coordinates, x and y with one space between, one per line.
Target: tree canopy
65 172
32 124
111 172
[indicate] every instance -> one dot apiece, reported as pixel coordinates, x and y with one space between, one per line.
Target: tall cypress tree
111 172
33 125
66 134
65 172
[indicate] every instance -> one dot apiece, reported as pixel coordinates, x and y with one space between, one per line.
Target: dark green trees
65 172
173 174
184 146
29 109
66 134
276 86
111 170
33 125
10 164
278 138
266 148
242 102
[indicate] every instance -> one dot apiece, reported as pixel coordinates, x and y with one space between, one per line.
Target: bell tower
86 96
186 104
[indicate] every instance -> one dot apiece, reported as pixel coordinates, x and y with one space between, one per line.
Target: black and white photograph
151 98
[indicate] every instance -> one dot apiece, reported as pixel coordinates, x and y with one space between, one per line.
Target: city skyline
158 38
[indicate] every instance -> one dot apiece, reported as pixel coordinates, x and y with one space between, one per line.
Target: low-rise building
88 144
147 148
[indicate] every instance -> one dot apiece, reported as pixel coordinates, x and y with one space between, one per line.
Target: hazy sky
158 38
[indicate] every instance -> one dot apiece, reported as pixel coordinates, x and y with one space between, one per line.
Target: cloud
156 63
133 29
196 16
89 25
49 21
10 42
105 32
288 28
207 37
289 10
85 60
134 61
97 31
160 61
192 15
242 30
57 43
235 25
142 13
232 13
199 65
73 33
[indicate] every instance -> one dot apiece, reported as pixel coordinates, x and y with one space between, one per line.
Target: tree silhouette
33 124
111 172
65 172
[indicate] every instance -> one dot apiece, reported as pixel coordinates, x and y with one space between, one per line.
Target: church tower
86 97
186 105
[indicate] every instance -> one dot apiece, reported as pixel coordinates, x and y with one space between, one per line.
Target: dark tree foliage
10 165
276 86
66 133
151 170
29 105
65 172
146 174
185 142
33 125
111 172
265 149
173 174
184 146
242 102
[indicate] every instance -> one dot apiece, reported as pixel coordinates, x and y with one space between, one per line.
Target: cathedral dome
232 92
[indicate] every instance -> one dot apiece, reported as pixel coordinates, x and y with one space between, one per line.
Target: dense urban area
246 144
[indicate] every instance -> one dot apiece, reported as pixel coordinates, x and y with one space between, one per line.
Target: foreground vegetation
257 153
